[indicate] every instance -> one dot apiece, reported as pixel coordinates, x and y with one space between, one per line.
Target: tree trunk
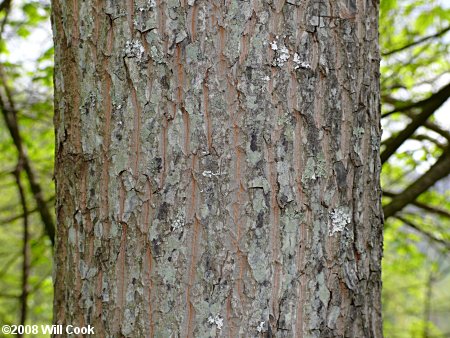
218 168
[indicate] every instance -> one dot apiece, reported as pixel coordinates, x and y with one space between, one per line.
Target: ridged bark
217 168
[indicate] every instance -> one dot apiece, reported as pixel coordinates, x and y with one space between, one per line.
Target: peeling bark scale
217 168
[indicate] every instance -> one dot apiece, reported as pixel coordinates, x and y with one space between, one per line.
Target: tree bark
217 168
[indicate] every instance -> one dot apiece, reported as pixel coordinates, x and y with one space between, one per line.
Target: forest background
415 69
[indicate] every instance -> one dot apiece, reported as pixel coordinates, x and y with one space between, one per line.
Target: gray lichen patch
324 292
217 320
309 171
258 262
290 232
333 315
299 63
134 49
339 219
315 168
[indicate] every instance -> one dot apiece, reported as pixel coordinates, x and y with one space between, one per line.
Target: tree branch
26 246
440 96
8 264
446 244
417 42
422 137
19 216
424 206
434 127
438 171
4 6
429 106
10 117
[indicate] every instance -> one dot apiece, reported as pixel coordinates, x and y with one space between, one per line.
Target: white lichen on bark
340 218
216 320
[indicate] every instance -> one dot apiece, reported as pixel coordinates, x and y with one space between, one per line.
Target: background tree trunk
218 168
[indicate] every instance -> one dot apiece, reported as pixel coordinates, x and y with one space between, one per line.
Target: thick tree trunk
218 168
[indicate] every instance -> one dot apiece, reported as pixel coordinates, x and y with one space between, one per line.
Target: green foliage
402 23
414 42
31 92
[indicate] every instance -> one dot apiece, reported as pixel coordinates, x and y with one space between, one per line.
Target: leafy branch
428 107
437 171
9 113
417 42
